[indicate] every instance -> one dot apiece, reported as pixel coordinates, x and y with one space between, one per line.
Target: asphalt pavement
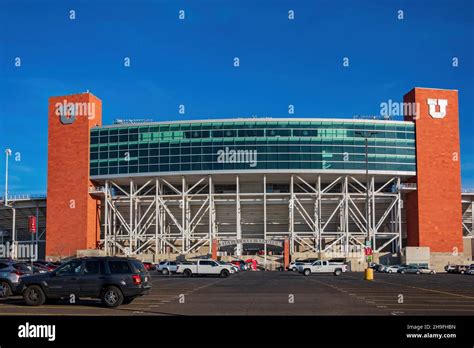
282 293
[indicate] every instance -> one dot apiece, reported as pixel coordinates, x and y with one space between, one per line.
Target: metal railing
24 197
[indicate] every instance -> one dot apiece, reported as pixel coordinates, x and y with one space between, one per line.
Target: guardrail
406 186
24 197
93 189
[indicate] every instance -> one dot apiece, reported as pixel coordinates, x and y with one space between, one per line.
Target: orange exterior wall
72 219
434 211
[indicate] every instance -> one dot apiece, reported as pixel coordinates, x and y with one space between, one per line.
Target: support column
265 221
14 241
238 219
346 215
183 216
114 230
106 216
292 216
131 219
157 220
286 254
214 247
399 217
319 222
373 222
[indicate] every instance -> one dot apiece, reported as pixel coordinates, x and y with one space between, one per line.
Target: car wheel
307 272
402 272
127 300
224 273
34 296
432 272
5 289
165 272
462 272
417 272
337 272
389 271
187 273
112 297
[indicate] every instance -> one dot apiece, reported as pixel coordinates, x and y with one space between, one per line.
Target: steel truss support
181 217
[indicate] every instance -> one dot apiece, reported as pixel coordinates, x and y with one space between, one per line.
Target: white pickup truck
205 267
322 267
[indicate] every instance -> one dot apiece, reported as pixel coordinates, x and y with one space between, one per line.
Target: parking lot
282 293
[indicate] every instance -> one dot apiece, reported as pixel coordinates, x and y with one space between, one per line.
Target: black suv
115 280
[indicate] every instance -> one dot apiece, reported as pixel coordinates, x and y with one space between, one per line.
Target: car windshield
70 268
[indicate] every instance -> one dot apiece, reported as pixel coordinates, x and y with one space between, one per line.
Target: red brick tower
72 214
434 211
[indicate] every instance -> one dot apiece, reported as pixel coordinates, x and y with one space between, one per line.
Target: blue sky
190 62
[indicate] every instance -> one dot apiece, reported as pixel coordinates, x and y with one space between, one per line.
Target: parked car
461 269
241 264
450 268
10 274
205 267
149 266
39 269
234 267
293 266
115 280
414 269
322 267
392 268
470 271
49 265
167 267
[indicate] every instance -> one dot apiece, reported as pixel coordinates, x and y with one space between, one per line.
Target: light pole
366 135
8 152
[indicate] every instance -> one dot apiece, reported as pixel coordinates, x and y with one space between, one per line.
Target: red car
45 264
149 266
240 264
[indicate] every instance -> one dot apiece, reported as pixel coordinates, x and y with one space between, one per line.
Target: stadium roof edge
253 119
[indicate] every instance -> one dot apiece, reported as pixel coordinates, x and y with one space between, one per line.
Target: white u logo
442 107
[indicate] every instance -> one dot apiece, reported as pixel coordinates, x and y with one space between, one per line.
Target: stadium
275 188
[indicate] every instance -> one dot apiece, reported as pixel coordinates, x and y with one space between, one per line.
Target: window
139 268
93 267
206 263
119 267
70 268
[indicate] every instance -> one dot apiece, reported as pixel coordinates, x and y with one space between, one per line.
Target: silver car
392 269
10 273
412 269
167 267
234 267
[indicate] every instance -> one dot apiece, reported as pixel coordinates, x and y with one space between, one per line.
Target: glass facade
209 146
